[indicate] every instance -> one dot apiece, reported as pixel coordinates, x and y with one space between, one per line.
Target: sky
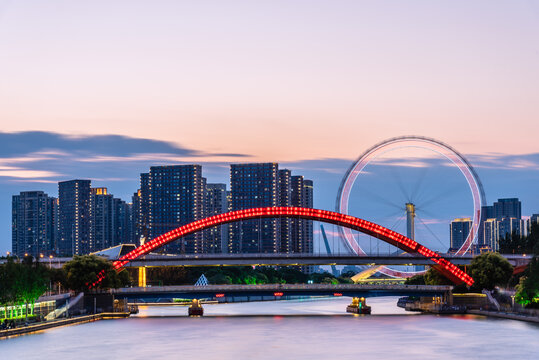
105 89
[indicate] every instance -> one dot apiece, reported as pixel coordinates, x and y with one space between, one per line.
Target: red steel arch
448 269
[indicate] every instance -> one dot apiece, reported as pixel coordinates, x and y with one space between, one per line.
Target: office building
74 217
34 216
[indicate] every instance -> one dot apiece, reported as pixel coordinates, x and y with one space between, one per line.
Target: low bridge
277 291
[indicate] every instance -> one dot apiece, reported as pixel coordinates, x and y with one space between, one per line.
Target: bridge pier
142 276
195 309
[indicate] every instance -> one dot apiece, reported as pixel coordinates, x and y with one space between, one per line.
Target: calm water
316 329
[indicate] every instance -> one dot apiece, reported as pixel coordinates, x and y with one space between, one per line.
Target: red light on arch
448 269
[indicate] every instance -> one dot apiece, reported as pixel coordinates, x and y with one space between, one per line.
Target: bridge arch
448 269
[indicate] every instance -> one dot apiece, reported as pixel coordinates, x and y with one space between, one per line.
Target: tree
22 284
82 272
528 288
434 277
415 280
490 270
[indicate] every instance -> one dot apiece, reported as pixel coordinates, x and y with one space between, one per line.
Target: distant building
74 217
459 230
254 185
215 203
176 197
34 216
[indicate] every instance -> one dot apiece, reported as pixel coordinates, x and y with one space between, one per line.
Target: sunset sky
114 87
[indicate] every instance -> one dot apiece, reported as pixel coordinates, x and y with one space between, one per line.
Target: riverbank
21 330
502 315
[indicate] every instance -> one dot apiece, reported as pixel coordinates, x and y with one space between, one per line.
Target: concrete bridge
215 292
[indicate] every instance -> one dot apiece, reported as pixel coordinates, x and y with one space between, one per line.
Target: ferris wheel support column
410 221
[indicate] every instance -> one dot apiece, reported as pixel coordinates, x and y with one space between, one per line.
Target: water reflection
282 330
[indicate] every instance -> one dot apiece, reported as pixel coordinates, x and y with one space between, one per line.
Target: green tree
82 272
415 280
490 270
528 288
434 277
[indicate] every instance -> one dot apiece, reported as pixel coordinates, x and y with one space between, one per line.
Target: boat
358 306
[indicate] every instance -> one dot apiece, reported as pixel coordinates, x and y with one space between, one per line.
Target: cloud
41 155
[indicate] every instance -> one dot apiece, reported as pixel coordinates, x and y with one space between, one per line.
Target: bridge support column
142 276
195 309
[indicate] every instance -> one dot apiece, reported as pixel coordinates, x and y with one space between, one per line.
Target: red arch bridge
410 246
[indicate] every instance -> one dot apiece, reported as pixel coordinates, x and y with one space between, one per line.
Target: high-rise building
301 239
34 216
74 217
285 199
459 230
215 203
487 212
507 208
143 211
308 202
121 220
102 213
508 226
176 197
254 185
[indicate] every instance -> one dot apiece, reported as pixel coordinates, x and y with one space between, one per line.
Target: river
314 329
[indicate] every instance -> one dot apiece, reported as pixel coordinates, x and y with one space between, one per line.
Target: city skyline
432 222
